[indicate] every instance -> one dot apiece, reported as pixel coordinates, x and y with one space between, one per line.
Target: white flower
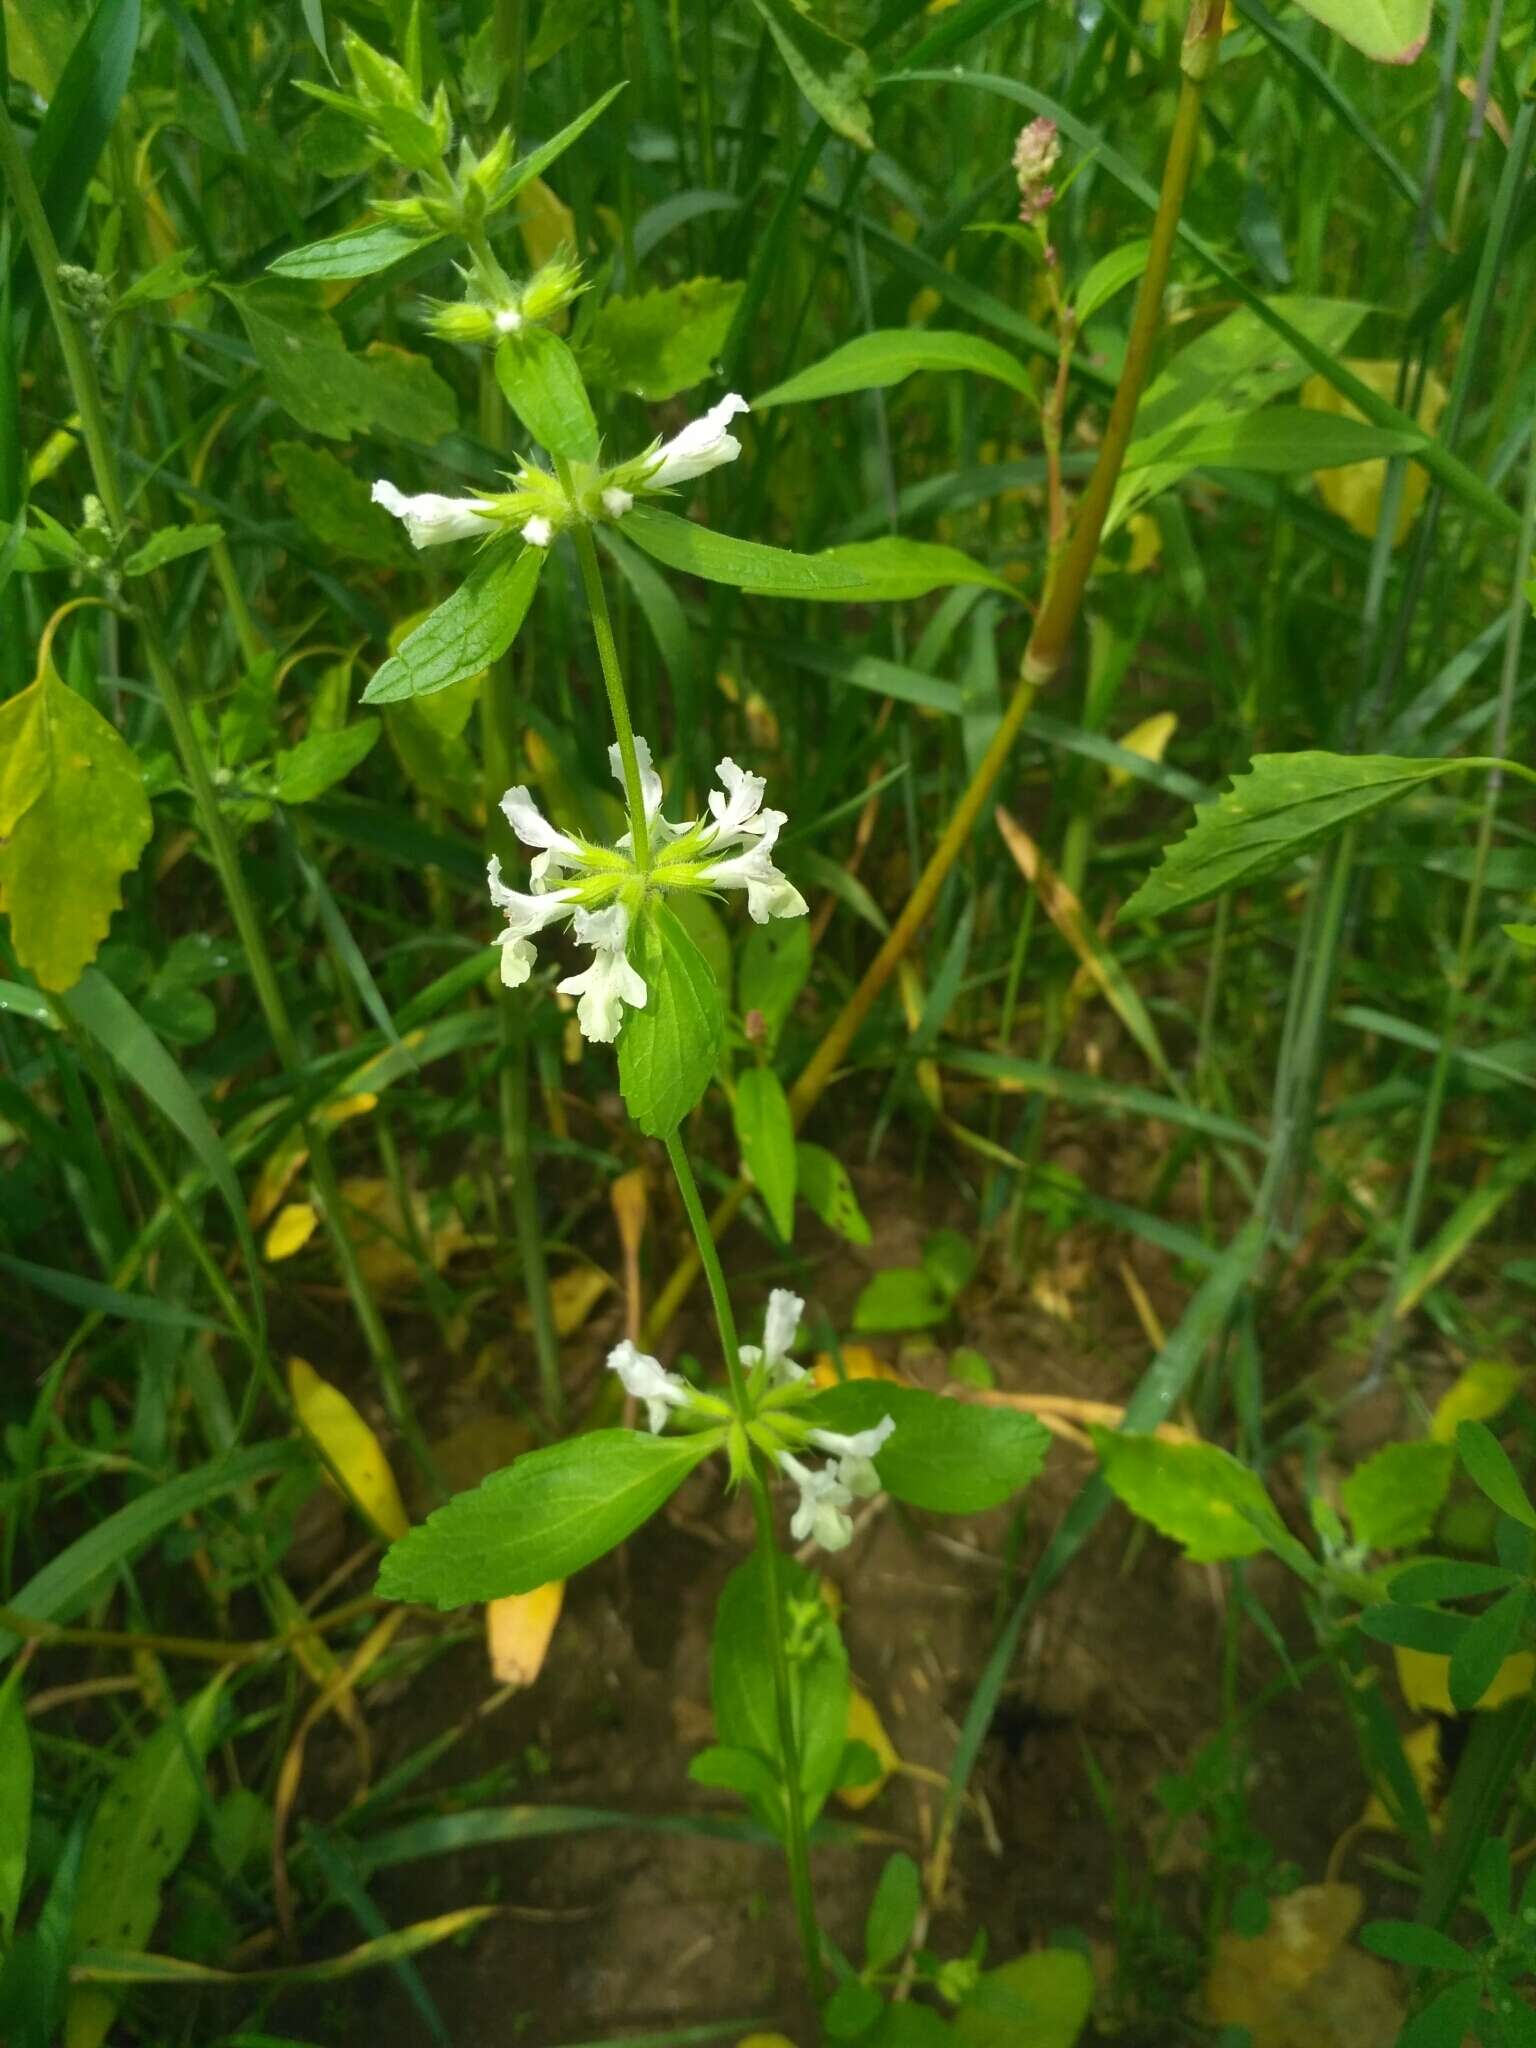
430 518
558 849
823 1497
855 1455
769 893
610 982
738 821
644 1377
508 320
780 1323
617 502
702 445
537 532
526 916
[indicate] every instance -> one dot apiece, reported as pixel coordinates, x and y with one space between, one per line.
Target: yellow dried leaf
1477 1395
375 1225
1422 1749
865 1725
276 1176
1354 491
1425 1681
859 1363
1253 1978
572 1297
629 1197
546 223
517 1632
765 2041
350 1447
1146 542
291 1230
1149 740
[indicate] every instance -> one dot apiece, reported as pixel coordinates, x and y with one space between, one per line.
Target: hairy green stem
81 371
613 680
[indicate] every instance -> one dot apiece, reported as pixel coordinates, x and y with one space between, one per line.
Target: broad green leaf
834 76
900 1298
169 545
427 734
313 376
1415 1628
741 1676
737 1770
1276 441
1393 1498
662 342
953 1457
541 381
1043 1999
537 161
1490 1638
467 632
949 1258
1285 804
892 1911
766 1136
337 506
1108 277
1489 1469
875 361
15 1803
321 760
74 820
886 571
1448 1578
1196 1493
720 558
356 252
543 1517
1390 31
140 1831
824 1187
668 1050
1415 1946
851 2010
774 966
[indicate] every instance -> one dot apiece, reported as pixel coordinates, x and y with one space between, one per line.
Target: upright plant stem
81 371
613 681
1053 626
796 1845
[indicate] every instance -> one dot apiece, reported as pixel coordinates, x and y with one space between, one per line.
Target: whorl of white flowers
538 507
826 1492
601 891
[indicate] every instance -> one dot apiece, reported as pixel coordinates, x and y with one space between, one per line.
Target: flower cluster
1035 155
827 1491
602 891
538 506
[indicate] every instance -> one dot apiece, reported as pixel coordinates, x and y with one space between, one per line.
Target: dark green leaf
1448 1578
1489 1468
1415 1946
169 545
1486 1643
833 75
663 342
543 1517
357 252
825 1188
668 1050
467 632
15 1803
892 1911
541 381
851 2010
766 1136
952 1457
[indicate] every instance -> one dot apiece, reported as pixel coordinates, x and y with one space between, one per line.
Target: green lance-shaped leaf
1492 1637
541 381
668 1050
321 760
542 1518
890 570
833 75
15 1803
875 361
1196 1493
662 342
951 1457
356 252
140 1831
892 1912
1283 805
169 545
1390 31
1489 1469
721 558
1392 1499
74 820
825 1188
467 632
766 1134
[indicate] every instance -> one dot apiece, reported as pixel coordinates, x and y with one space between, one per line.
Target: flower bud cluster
776 1386
601 891
494 308
1035 155
387 104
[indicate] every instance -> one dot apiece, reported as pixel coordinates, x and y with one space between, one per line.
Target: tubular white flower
855 1455
701 446
650 781
823 1497
780 1322
617 502
645 1378
610 982
769 893
534 829
430 518
537 532
736 807
526 917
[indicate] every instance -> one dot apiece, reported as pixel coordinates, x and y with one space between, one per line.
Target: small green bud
552 287
381 82
465 322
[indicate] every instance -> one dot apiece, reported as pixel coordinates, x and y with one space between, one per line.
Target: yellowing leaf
292 1228
572 1297
1354 491
517 1632
1422 1749
1146 542
376 1227
865 1725
1425 1681
859 1363
276 1175
1477 1395
74 820
350 1448
546 223
1252 1977
1149 740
